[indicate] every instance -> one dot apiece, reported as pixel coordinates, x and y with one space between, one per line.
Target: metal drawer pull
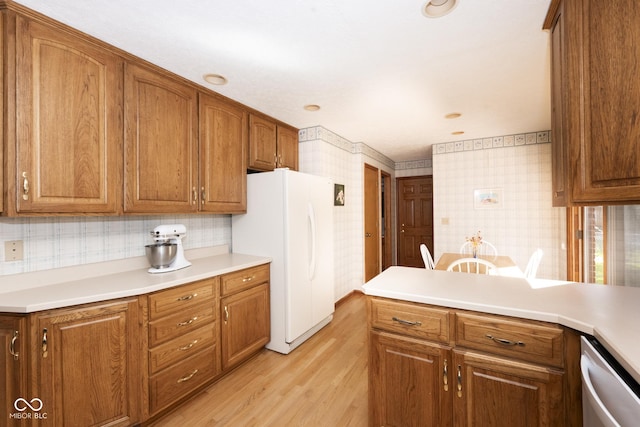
459 386
226 314
445 375
406 322
188 377
187 297
45 344
504 341
188 322
12 346
248 279
188 346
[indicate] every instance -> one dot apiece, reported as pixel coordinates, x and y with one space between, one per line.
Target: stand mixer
172 234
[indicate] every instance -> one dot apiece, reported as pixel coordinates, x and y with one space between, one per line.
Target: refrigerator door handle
312 231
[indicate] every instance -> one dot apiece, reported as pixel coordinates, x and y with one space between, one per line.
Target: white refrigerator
290 219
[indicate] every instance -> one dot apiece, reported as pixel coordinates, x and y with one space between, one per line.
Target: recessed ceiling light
215 79
311 107
452 115
438 8
458 132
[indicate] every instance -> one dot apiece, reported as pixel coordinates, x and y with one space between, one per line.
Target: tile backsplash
53 242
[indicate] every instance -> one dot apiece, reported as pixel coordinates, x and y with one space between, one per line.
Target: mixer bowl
161 255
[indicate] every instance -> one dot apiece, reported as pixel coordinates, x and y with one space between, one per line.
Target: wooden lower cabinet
85 365
433 366
13 369
245 324
409 382
492 391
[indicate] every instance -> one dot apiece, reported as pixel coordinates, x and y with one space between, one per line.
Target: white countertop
63 287
610 313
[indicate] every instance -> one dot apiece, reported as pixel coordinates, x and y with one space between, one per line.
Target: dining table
505 265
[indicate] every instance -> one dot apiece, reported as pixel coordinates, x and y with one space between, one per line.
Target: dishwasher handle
589 392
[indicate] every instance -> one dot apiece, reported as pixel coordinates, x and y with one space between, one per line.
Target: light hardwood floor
321 383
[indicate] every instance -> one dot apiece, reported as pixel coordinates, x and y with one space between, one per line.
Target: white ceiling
382 72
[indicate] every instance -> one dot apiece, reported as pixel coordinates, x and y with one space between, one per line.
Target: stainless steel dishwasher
609 393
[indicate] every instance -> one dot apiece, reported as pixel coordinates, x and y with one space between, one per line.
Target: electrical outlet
13 250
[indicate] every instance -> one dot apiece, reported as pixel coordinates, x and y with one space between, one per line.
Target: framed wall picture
487 198
338 195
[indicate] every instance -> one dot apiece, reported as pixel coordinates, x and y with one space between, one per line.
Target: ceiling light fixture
452 115
438 8
215 79
458 132
311 107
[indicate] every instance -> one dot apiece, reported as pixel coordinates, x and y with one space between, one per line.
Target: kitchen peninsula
464 332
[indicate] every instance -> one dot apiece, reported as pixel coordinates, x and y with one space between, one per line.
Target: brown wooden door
160 143
69 123
223 159
497 392
415 218
245 324
371 222
287 148
88 373
13 368
262 143
409 382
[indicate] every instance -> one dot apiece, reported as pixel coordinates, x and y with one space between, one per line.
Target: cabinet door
287 148
558 88
606 70
86 364
491 391
13 369
223 159
245 324
160 143
262 143
409 382
69 124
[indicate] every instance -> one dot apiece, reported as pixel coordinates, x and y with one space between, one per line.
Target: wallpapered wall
325 153
519 168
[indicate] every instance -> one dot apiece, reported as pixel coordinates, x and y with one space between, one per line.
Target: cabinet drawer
523 340
182 347
179 324
181 379
406 318
181 298
244 279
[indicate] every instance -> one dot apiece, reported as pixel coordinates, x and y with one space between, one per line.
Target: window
612 245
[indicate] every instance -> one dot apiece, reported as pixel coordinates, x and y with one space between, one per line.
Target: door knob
367 234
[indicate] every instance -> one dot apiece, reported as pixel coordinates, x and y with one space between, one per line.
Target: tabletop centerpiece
476 241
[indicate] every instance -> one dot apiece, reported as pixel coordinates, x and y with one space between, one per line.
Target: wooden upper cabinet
262 143
596 57
287 147
223 159
160 115
271 145
68 135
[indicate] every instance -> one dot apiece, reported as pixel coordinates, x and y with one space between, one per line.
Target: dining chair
485 248
426 257
473 265
532 266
